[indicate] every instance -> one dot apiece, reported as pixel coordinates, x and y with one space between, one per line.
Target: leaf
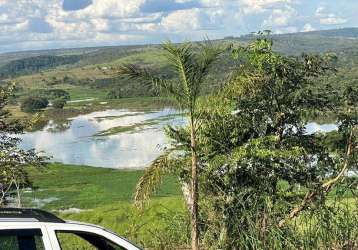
151 179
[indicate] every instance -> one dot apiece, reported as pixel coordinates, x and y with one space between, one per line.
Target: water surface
314 127
113 138
135 141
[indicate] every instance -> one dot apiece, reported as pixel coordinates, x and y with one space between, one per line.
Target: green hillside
34 64
339 40
334 39
92 71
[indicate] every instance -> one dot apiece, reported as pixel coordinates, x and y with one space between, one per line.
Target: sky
49 24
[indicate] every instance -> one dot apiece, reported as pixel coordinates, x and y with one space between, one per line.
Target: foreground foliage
86 194
13 160
258 168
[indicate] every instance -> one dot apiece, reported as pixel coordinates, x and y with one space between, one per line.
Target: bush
50 94
58 103
114 94
31 104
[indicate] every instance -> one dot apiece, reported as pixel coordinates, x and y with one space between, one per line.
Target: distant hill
35 64
333 33
345 32
19 63
89 72
313 42
12 56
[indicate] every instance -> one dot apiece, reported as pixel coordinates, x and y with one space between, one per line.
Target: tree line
35 64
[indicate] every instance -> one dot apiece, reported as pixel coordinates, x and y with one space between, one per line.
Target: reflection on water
73 142
131 139
314 127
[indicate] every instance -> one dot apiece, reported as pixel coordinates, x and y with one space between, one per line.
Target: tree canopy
258 166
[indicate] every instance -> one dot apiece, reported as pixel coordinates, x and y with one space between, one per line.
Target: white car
33 229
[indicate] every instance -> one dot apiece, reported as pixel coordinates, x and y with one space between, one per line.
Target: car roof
35 215
27 215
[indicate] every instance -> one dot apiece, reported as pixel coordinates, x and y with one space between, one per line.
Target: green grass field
105 197
89 187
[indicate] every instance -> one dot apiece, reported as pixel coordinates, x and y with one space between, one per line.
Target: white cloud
110 8
328 18
149 18
100 24
258 6
213 3
308 27
332 20
4 18
320 11
114 21
182 20
14 27
289 29
281 17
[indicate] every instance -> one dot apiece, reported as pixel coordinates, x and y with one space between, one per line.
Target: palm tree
191 64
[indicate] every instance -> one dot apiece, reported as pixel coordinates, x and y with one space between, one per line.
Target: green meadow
105 197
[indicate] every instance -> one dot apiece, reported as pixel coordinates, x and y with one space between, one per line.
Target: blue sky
45 24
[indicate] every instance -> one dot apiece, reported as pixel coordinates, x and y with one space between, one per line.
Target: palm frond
152 179
210 53
134 72
180 135
181 58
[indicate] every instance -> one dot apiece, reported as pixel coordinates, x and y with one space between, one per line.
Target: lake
113 138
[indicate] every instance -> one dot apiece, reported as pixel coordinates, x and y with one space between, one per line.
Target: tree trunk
325 187
18 192
186 189
4 191
195 189
2 198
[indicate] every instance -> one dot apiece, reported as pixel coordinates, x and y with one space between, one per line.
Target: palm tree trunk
186 189
195 189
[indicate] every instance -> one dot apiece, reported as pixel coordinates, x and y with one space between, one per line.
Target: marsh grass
135 128
88 187
327 227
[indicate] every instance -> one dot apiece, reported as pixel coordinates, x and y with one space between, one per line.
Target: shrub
114 94
31 104
50 94
58 103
